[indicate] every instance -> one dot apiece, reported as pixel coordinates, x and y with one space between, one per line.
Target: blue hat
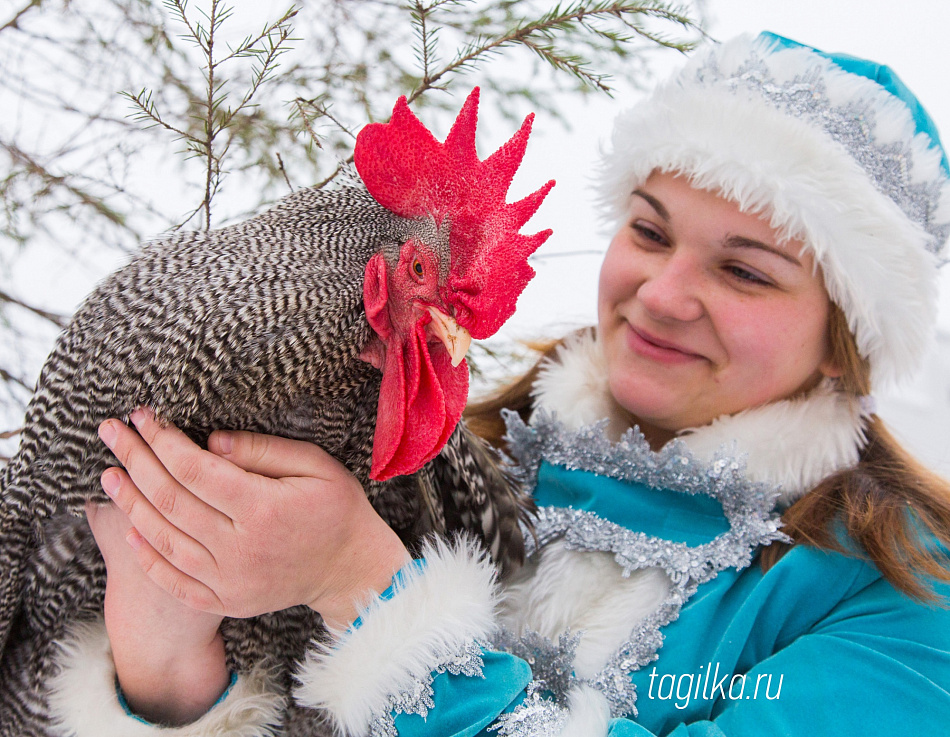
835 151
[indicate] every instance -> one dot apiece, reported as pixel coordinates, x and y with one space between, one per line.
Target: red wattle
421 396
420 402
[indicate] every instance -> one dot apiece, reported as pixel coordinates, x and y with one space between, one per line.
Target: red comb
412 174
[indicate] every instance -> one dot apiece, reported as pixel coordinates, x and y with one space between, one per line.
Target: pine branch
266 58
559 20
210 106
427 39
247 47
571 63
142 101
265 47
306 120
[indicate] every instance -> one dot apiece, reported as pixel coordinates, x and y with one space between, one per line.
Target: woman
781 216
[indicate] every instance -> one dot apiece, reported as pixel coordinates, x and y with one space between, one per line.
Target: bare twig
8 377
280 163
59 320
15 20
336 172
62 181
561 254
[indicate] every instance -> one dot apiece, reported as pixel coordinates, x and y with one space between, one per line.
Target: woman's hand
169 659
255 524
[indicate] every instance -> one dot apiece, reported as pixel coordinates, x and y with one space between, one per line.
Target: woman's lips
649 346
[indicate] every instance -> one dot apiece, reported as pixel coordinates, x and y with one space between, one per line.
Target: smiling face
703 311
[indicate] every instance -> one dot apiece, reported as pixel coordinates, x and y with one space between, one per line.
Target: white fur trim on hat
434 611
739 120
83 700
793 443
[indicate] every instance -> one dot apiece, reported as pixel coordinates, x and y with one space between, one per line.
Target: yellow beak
454 337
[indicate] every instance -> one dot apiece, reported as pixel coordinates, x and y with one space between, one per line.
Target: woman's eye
649 233
748 276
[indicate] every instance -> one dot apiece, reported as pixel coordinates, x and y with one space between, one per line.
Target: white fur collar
793 443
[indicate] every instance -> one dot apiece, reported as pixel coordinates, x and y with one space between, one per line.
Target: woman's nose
672 289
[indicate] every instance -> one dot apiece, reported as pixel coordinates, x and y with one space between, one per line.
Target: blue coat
820 644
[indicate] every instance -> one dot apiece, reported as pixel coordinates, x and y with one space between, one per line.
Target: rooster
340 317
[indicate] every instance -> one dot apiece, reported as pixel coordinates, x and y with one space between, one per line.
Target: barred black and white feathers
258 326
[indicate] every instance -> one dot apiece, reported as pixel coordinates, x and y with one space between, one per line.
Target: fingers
151 477
180 479
177 547
276 457
184 588
109 526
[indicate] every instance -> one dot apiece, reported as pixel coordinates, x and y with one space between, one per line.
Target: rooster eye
417 267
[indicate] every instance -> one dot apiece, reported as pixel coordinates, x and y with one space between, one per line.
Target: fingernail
225 442
134 539
137 416
110 483
107 433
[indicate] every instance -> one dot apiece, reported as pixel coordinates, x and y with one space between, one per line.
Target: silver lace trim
417 697
747 506
853 125
552 666
536 716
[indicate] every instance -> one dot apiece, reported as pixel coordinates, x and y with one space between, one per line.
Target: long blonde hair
883 503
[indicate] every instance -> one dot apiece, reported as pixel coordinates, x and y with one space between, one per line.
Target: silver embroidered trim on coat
552 665
888 165
536 716
747 506
417 697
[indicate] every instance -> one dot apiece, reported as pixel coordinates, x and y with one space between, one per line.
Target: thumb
109 526
273 456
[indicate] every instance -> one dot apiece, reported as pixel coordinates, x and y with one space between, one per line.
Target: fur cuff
83 700
588 713
434 611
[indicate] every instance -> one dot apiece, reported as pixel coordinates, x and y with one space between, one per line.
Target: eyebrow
733 241
738 241
654 203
